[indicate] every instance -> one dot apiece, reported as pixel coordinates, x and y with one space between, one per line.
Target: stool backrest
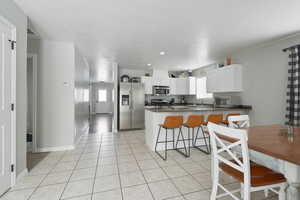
223 152
195 120
173 121
241 121
215 118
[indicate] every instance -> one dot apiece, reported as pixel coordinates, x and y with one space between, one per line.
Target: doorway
31 102
102 107
7 105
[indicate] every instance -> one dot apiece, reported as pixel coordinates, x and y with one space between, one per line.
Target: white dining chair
253 177
239 121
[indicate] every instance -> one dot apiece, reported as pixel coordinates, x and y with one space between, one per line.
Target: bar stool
225 121
194 121
214 118
170 123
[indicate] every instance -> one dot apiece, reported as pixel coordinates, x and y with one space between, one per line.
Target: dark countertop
198 108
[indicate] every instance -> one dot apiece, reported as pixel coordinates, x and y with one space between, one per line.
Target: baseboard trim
22 174
60 148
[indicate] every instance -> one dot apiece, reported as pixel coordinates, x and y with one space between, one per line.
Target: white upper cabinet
178 86
183 86
147 84
225 79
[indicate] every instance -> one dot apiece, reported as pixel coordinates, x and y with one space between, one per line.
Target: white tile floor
117 167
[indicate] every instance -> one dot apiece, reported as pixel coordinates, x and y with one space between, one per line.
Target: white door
5 108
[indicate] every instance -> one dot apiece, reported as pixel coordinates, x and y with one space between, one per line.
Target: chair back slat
219 147
240 121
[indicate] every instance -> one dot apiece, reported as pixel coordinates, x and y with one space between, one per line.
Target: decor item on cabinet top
135 79
228 60
125 78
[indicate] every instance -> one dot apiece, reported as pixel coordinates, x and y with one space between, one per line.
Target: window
86 95
201 89
102 96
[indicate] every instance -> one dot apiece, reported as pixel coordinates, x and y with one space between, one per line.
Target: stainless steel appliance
131 106
160 90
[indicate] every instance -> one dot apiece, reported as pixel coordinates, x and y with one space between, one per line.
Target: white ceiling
191 32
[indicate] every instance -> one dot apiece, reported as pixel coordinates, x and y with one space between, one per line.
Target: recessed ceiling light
162 53
149 64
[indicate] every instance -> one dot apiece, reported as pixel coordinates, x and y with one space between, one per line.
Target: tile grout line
72 171
169 178
141 171
96 170
37 187
119 175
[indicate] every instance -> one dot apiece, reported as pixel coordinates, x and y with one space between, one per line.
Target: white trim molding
22 174
59 148
34 103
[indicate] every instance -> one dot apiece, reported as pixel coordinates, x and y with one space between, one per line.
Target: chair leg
215 183
266 191
282 193
242 190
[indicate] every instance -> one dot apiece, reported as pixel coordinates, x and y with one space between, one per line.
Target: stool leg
195 139
157 141
166 144
193 136
189 139
173 138
157 138
206 145
184 146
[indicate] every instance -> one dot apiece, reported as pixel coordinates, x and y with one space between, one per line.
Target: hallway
101 123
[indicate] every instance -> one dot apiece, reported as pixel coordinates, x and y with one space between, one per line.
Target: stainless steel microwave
158 90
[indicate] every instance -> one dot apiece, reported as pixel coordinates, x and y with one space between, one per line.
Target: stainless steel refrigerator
131 106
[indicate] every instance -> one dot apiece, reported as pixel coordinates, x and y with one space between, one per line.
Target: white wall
55 121
10 11
82 76
265 80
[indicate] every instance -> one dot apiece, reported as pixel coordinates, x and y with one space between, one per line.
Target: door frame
34 104
13 98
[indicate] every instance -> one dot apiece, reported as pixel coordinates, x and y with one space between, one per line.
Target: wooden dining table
271 146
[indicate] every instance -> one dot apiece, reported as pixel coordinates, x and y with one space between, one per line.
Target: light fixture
162 53
149 64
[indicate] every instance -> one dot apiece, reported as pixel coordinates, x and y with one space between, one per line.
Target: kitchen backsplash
235 99
177 98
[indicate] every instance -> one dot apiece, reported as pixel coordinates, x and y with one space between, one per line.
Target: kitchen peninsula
156 116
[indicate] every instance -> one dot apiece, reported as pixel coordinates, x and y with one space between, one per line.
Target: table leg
292 174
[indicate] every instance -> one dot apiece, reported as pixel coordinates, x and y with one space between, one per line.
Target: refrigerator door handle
131 99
